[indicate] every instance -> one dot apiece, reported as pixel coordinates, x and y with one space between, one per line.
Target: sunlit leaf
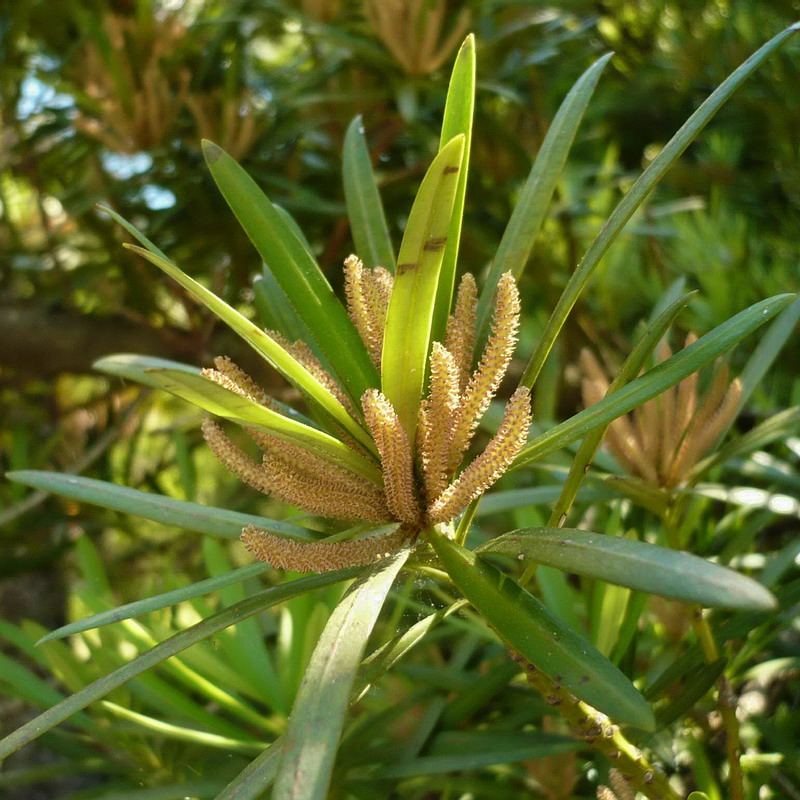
311 739
161 652
409 321
260 341
223 402
458 112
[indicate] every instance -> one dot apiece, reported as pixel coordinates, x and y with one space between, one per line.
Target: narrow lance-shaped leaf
250 783
221 401
700 682
296 271
161 652
534 632
168 730
276 312
654 381
364 207
766 352
182 513
458 112
637 565
317 718
407 336
472 750
531 207
636 195
261 342
159 601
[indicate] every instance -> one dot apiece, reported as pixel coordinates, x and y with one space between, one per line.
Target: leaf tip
644 719
468 45
211 151
760 598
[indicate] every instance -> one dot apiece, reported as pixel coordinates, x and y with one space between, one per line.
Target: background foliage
108 101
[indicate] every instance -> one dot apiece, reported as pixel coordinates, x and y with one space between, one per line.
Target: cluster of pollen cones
663 440
421 484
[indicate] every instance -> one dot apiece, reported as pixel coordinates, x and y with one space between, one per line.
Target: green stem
601 735
725 698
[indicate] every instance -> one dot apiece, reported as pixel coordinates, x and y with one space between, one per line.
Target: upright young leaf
458 113
531 208
637 194
296 271
364 207
317 718
410 317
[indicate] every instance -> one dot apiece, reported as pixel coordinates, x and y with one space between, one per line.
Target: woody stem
602 735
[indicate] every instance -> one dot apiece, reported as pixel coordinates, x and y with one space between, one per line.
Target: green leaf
467 750
295 269
262 343
364 207
189 516
312 736
655 381
265 345
161 652
384 658
250 783
637 194
224 403
458 112
168 730
171 598
767 351
277 313
637 565
409 320
531 207
530 629
696 685
777 427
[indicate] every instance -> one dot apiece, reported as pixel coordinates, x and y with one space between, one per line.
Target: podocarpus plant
396 383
